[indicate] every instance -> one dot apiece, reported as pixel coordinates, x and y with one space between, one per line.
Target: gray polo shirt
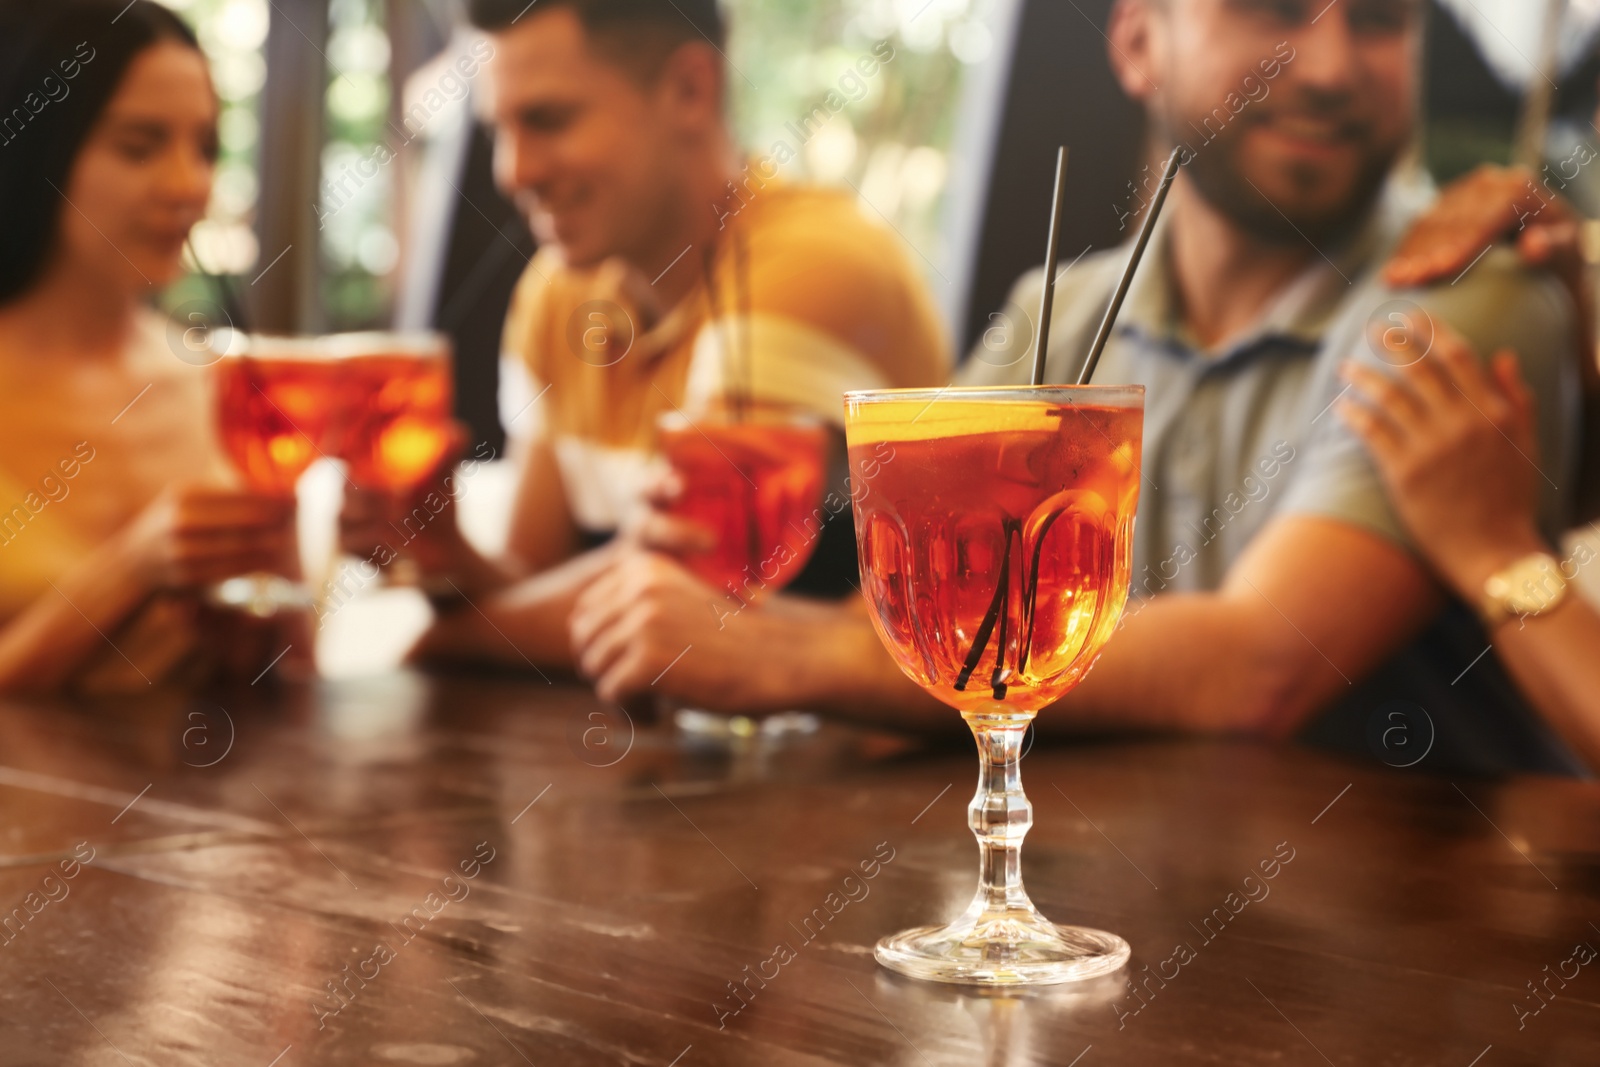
1239 435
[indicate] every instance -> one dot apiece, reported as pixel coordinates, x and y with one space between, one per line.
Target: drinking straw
737 356
1150 217
1052 256
224 288
719 322
741 278
999 608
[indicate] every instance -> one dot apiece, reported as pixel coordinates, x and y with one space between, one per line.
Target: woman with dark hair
115 506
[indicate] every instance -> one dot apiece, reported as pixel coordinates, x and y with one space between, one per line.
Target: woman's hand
193 536
1489 205
1456 447
1480 209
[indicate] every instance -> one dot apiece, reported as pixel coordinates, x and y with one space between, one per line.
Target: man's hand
1456 447
656 528
649 626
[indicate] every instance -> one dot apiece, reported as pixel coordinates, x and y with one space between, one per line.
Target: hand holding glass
754 482
276 405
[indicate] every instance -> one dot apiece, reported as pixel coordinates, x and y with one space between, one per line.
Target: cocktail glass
277 399
398 406
756 483
396 419
754 479
995 532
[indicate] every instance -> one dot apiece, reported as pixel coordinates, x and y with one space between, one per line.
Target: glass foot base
260 595
704 725
1003 950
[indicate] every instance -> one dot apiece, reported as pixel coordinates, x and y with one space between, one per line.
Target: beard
1310 202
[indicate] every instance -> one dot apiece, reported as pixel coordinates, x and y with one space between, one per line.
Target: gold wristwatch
1532 586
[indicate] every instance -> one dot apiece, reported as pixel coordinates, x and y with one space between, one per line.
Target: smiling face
593 153
143 176
1306 155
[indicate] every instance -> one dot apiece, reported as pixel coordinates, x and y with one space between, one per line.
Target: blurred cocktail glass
398 407
995 532
396 422
754 479
277 403
755 482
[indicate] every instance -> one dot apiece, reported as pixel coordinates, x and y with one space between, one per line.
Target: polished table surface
283 878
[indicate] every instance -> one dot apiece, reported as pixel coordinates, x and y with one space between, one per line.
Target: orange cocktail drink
755 483
397 407
995 533
996 543
276 405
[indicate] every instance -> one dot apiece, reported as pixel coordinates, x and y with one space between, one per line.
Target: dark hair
61 62
635 24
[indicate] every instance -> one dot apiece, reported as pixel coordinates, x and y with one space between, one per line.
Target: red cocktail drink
995 533
995 541
756 484
398 402
276 406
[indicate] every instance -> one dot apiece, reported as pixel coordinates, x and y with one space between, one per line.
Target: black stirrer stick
1052 256
1149 226
741 278
222 286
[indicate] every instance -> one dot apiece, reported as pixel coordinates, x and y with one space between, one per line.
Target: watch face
1532 585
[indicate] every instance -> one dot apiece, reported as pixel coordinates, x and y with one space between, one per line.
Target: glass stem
1000 814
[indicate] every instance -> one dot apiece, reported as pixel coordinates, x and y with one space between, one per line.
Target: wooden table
233 860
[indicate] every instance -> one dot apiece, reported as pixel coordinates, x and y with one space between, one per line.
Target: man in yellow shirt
660 242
